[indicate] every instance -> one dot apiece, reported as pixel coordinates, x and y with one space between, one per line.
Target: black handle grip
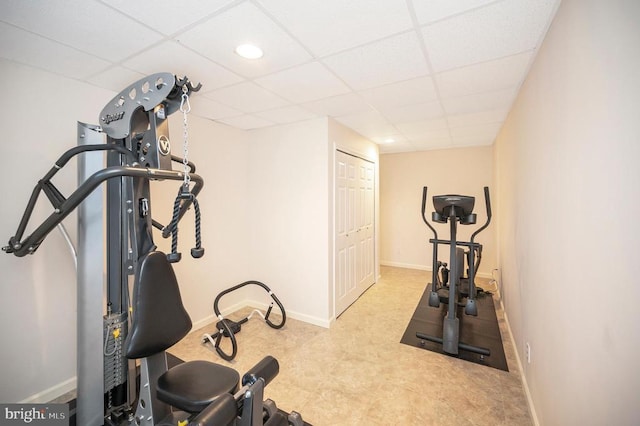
424 202
487 201
424 211
222 411
268 368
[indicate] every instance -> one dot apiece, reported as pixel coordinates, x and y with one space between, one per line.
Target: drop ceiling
428 74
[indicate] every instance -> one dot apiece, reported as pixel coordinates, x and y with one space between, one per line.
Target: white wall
291 181
38 116
220 153
288 218
38 120
568 190
405 237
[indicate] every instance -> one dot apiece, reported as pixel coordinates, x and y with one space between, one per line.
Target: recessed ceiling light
389 140
249 51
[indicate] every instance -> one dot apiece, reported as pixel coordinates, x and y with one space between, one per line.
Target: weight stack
115 363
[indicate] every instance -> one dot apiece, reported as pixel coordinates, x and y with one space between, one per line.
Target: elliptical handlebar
434 265
424 211
487 202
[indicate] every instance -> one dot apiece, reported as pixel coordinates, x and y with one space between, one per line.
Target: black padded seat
160 321
195 384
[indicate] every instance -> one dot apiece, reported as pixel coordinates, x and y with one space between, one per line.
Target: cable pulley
184 194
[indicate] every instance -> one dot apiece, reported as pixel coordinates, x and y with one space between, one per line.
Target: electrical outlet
528 349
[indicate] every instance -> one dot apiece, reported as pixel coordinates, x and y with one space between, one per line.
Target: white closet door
354 263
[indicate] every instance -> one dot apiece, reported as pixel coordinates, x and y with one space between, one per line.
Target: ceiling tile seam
289 102
206 18
258 4
80 79
360 46
485 61
57 42
183 29
534 54
129 17
50 71
455 15
286 30
484 123
171 37
319 59
515 87
297 105
314 57
425 53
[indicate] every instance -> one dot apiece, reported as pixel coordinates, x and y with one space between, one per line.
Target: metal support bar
463 346
90 395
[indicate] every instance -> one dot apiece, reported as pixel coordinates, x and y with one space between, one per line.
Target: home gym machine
111 337
229 328
449 289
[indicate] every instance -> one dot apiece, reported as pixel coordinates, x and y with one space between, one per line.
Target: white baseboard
51 393
325 323
404 265
263 307
423 267
525 385
211 319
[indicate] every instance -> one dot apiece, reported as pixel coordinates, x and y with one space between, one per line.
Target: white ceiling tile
116 78
484 77
480 51
247 97
246 122
370 125
170 56
482 117
386 61
329 26
286 115
391 148
385 139
165 16
432 143
499 29
476 140
206 108
335 106
87 25
415 112
428 11
31 49
496 100
304 83
477 131
414 91
218 37
425 129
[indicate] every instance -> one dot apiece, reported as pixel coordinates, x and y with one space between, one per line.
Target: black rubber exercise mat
482 331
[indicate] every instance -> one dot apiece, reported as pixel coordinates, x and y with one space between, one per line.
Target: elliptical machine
454 209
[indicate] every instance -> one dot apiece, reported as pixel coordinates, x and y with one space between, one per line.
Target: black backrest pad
159 318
